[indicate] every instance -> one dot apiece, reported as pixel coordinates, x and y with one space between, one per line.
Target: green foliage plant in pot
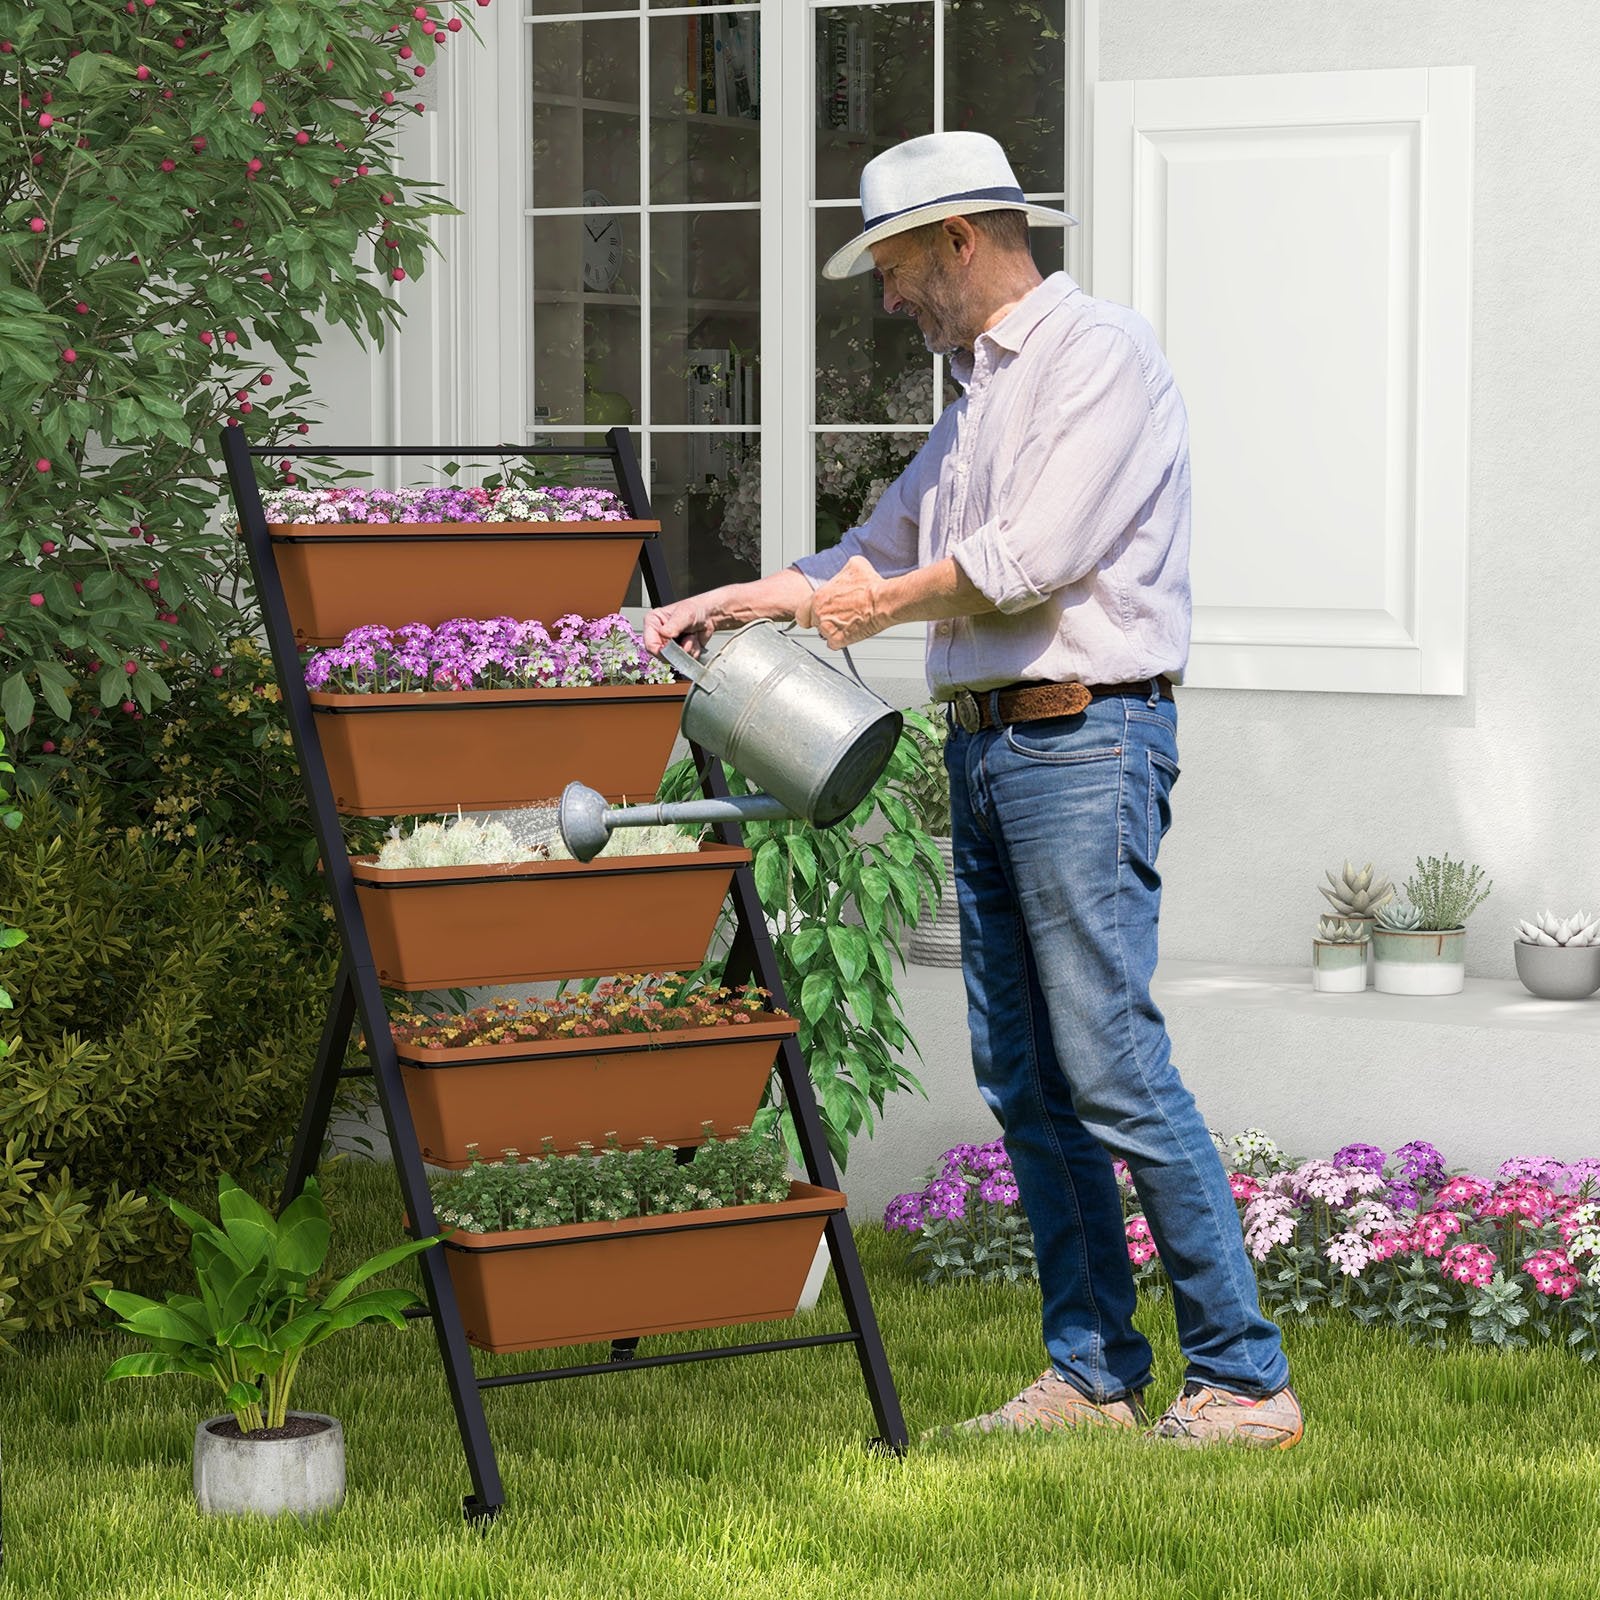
261 1306
836 900
1558 958
1355 897
1419 943
1339 956
195 192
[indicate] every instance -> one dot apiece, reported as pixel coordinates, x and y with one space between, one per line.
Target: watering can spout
587 820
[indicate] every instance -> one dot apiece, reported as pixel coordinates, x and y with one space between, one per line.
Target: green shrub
158 1038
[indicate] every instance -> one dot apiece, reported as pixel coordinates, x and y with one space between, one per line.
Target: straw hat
924 180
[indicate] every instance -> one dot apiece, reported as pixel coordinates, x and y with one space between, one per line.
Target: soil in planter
294 1428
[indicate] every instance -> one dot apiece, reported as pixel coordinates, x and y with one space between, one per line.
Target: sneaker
1050 1403
1205 1415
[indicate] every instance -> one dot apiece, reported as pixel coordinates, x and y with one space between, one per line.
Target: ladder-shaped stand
356 992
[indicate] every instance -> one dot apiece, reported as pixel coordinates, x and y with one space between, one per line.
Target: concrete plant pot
1558 972
298 1476
1419 960
1338 968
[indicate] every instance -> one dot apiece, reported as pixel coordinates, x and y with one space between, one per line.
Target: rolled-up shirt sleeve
888 539
1088 462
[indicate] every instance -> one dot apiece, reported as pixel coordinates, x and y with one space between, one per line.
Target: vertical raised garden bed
535 1288
406 753
458 927
340 576
662 1086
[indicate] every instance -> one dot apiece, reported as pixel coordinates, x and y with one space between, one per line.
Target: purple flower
945 1199
1419 1163
904 1211
1359 1155
999 1189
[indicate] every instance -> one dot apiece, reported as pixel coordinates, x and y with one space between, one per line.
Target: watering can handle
849 662
680 660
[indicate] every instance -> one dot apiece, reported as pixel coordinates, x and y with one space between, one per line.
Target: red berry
420 72
142 73
302 137
131 667
37 224
430 26
208 337
266 277
94 666
362 171
253 164
69 355
49 747
246 407
216 672
289 477
405 52
230 337
420 13
161 645
82 308
6 47
265 379
388 97
335 182
386 199
77 588
283 466
129 706
304 427
48 548
38 158
180 43
169 166
149 538
166 94
199 142
35 599
41 465
454 24
258 108
46 120
398 274
243 394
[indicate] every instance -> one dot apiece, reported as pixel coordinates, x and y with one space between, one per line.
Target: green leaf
54 683
381 1262
246 83
16 701
849 946
771 875
816 995
84 68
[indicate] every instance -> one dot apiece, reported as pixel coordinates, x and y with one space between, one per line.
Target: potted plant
349 556
491 714
935 938
1558 958
1339 956
665 1059
1355 897
466 905
575 1249
1419 944
260 1307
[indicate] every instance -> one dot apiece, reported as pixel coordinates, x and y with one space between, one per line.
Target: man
1043 532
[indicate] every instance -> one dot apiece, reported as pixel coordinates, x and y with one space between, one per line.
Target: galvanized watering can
815 741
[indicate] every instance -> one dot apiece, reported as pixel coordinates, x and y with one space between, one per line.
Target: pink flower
1141 1247
1244 1187
1463 1191
1469 1263
1552 1273
1391 1241
1433 1229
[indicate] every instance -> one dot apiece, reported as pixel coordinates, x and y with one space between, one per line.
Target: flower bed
1389 1239
352 556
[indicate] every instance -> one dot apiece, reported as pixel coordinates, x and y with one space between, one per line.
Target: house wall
1278 786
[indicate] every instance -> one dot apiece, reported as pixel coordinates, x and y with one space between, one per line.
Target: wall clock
602 246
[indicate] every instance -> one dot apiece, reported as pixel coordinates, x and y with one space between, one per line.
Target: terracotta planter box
491 749
343 575
534 1288
636 1085
462 927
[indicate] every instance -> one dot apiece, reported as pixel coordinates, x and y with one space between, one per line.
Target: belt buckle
969 714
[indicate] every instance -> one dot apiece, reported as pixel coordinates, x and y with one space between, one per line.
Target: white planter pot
1420 961
936 939
270 1477
1338 968
1558 972
817 1276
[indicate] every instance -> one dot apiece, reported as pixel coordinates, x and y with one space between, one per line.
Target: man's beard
938 306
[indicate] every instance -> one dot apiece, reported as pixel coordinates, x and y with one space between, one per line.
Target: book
719 63
708 68
740 90
692 81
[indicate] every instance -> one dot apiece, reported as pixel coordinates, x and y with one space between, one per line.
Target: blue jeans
1056 826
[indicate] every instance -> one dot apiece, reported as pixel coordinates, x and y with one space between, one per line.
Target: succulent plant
1339 930
1446 892
1579 929
1395 916
1354 894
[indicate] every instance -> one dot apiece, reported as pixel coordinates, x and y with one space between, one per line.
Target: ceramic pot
1419 961
635 1085
270 1477
343 575
1558 972
494 749
465 927
535 1288
1338 968
936 939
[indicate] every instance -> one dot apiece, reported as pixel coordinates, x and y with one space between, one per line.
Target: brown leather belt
1030 702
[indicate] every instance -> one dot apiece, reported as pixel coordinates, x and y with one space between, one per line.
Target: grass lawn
1421 1474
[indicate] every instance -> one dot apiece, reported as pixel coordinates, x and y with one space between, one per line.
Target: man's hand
690 622
850 606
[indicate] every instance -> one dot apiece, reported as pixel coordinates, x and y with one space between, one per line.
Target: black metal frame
356 992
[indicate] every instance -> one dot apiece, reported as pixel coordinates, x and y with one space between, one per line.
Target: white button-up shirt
1059 482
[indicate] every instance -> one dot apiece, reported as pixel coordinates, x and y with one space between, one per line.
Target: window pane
853 470
1006 75
705 317
585 113
874 87
586 320
710 534
864 354
705 129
